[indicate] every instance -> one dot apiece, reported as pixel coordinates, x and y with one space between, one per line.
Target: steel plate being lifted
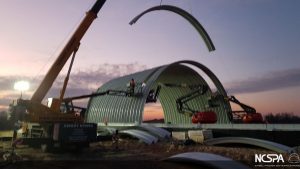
184 14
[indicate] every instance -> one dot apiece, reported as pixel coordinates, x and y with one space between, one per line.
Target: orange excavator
57 125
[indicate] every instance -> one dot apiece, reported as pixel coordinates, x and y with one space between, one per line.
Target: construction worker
132 86
115 139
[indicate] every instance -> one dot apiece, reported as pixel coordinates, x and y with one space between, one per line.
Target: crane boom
69 48
59 125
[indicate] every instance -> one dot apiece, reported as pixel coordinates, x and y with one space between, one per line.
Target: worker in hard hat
131 86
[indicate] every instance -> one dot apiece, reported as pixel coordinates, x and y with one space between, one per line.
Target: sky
256 57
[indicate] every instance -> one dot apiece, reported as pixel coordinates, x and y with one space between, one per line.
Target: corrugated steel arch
185 15
121 109
220 89
179 74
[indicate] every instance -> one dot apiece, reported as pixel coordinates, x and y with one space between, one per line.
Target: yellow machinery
50 117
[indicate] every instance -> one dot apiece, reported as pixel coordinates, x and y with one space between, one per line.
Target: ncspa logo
277 160
269 158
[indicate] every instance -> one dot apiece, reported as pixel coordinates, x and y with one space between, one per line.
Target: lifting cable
34 78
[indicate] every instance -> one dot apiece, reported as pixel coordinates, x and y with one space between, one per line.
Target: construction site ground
130 154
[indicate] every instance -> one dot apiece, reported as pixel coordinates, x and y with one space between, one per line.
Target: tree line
282 118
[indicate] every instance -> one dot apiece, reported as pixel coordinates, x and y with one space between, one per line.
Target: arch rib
185 15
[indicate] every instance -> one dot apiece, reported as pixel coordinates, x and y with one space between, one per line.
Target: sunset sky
257 45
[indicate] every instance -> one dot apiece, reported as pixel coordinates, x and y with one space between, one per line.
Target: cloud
87 81
80 82
271 81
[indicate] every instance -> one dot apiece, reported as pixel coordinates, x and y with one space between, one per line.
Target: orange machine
50 117
247 115
204 117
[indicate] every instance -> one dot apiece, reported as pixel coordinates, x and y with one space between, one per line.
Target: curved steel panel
118 109
145 137
185 15
207 160
122 109
162 133
279 148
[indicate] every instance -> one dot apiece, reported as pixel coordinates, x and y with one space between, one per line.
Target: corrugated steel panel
207 160
122 109
142 135
277 147
185 15
162 133
179 74
118 109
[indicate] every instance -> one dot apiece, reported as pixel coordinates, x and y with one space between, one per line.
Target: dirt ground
130 154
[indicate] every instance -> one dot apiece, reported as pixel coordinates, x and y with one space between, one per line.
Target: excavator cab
69 107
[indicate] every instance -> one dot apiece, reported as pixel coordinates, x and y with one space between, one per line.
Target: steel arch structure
122 110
